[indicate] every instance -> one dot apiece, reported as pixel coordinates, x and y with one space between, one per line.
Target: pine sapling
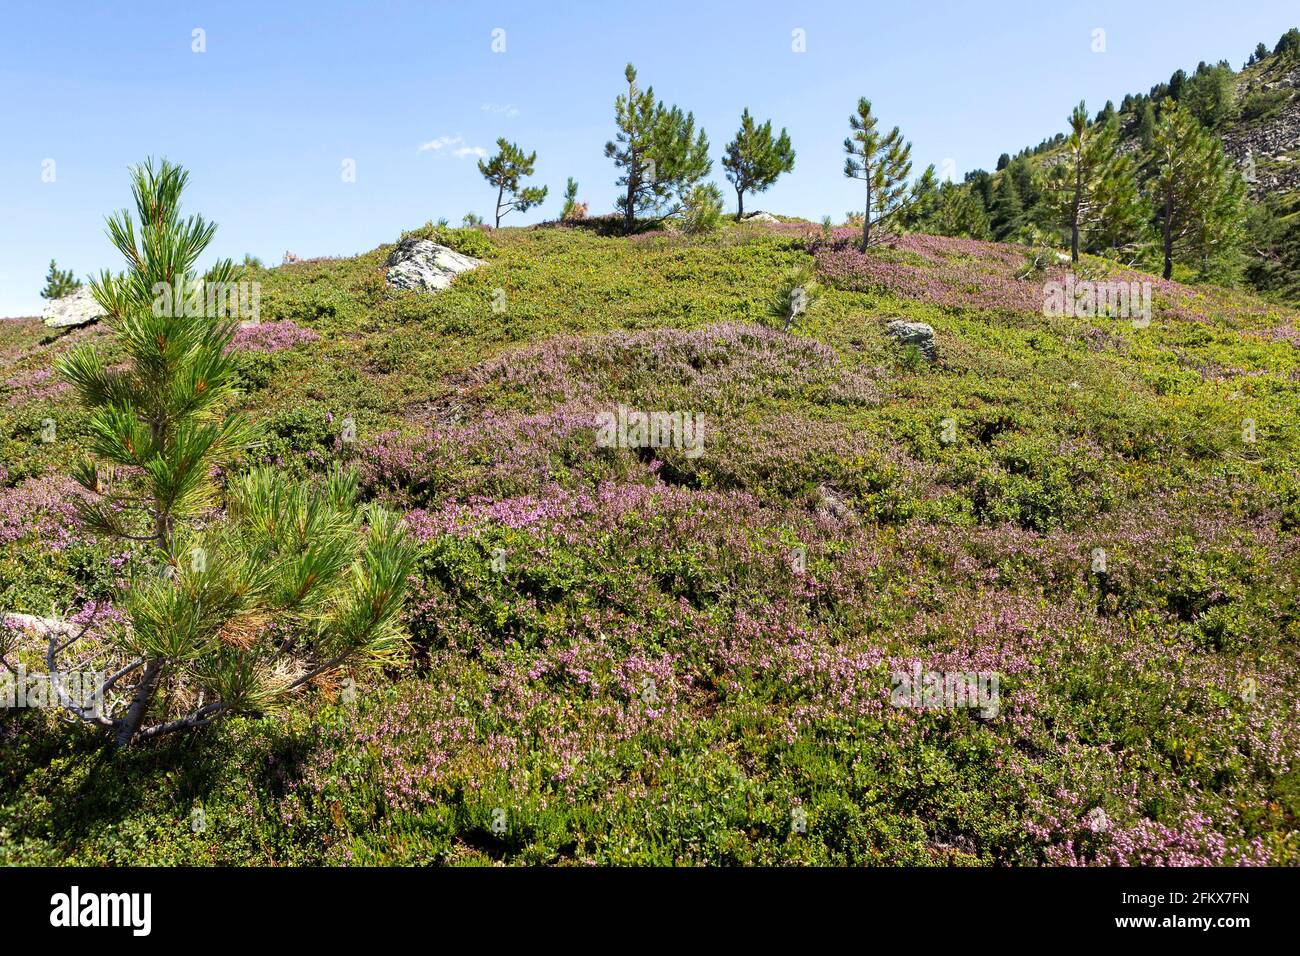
236 597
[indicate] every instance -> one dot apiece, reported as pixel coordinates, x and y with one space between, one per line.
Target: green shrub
702 210
468 241
1262 105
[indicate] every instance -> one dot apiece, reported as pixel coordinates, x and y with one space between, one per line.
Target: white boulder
425 266
75 308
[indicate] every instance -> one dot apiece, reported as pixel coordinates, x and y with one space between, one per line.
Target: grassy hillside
650 678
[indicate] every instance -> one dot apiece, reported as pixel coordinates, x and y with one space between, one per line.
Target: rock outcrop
425 266
75 308
914 333
1268 152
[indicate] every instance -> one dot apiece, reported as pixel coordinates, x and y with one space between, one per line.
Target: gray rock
425 266
75 308
761 217
914 333
831 502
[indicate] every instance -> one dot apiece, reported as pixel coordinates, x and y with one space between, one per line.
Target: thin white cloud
507 109
440 142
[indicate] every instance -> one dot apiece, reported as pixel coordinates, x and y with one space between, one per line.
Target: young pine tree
1211 96
59 282
1147 124
1007 216
225 614
754 160
658 150
795 297
1094 188
883 164
1197 194
1176 83
1288 46
570 200
981 185
1275 267
958 212
504 171
1028 188
923 202
701 209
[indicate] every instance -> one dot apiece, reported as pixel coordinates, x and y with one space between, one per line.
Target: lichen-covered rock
761 217
914 333
75 308
425 266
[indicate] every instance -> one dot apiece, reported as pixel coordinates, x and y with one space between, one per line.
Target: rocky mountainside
1272 141
1262 133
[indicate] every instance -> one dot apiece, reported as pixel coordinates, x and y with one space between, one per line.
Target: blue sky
287 91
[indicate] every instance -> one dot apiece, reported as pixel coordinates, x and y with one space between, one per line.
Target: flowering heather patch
32 385
713 372
1075 838
27 354
680 656
553 509
500 455
41 507
974 274
953 273
272 337
1282 333
706 367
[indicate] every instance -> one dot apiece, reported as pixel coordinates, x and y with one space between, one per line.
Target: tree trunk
500 192
740 204
633 180
162 521
866 216
144 690
139 702
1074 214
1169 235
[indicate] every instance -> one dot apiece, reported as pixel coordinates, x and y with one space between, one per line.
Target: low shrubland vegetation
633 655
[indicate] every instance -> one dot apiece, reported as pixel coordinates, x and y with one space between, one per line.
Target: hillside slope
631 655
1255 115
1261 124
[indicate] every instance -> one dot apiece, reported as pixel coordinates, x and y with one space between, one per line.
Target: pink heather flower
271 337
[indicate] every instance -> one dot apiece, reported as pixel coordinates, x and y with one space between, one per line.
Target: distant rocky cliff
1273 143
